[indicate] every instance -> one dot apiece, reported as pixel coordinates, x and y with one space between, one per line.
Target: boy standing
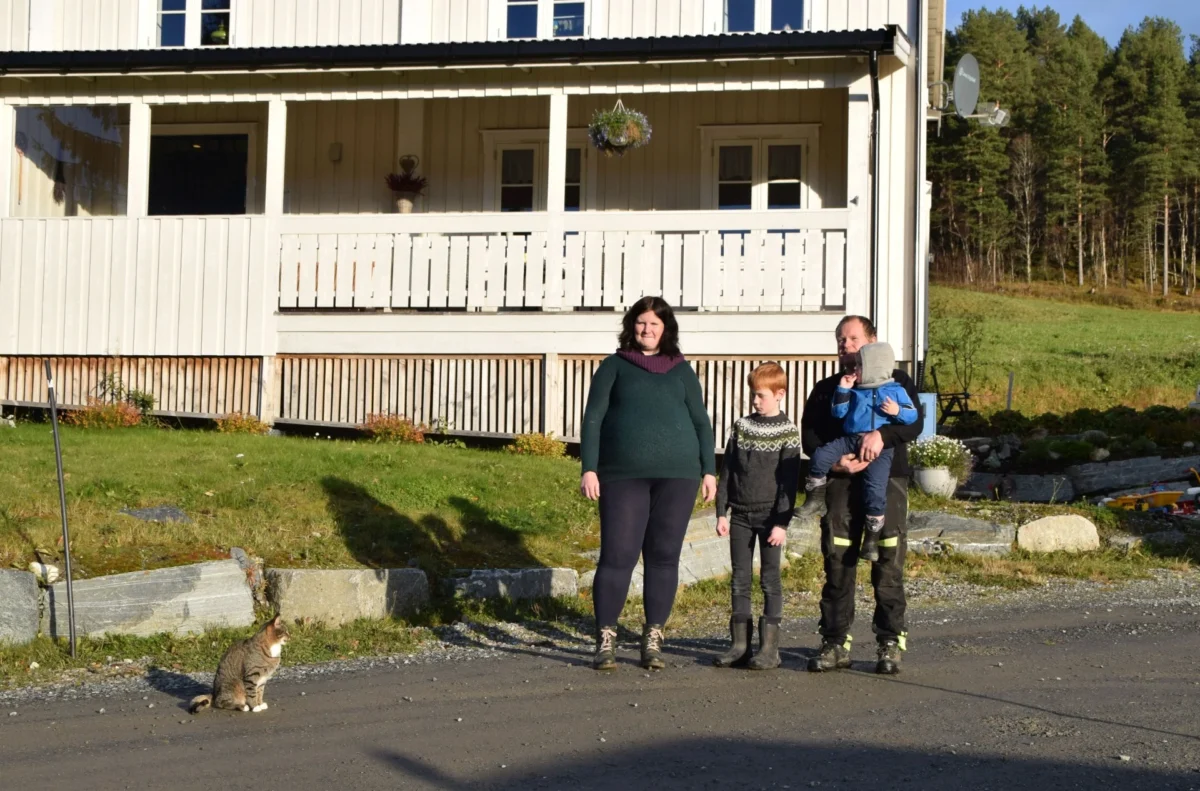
758 487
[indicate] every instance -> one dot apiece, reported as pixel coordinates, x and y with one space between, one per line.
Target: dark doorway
198 174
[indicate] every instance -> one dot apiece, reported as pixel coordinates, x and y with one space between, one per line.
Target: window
574 196
787 15
515 169
194 23
518 175
765 167
568 19
522 18
739 16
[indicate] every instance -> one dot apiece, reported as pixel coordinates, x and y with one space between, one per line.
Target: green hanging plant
618 130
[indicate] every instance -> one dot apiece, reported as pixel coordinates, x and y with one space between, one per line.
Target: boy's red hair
768 375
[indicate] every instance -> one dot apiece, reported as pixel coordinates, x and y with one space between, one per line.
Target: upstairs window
739 16
787 15
194 23
522 18
568 19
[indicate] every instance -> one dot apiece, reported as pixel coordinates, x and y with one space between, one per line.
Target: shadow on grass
379 536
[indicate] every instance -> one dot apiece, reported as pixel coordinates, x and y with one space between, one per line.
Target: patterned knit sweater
761 468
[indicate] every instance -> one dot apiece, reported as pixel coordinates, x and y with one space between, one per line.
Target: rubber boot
888 654
767 657
741 631
605 657
835 655
870 542
652 640
814 498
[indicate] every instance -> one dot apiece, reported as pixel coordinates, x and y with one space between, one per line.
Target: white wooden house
194 197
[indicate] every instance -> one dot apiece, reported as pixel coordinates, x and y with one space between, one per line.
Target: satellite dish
965 88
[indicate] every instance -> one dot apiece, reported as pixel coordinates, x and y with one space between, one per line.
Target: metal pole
62 504
1008 399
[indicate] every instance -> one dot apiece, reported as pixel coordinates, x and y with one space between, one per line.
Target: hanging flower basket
618 130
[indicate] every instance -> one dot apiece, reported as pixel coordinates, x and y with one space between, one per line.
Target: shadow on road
179 686
738 763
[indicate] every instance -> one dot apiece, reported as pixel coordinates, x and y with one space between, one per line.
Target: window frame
247 128
760 137
763 21
193 11
497 140
498 19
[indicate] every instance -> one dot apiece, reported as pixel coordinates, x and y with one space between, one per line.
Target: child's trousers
745 530
875 476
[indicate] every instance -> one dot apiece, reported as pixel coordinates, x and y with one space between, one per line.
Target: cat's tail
200 703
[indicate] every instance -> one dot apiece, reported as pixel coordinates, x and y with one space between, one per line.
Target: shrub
393 428
972 425
537 445
98 414
114 387
939 451
1009 422
241 423
1073 451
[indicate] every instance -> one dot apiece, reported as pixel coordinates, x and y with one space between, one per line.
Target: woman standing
648 442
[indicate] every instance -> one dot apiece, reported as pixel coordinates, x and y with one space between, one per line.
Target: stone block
1124 541
804 536
179 600
1066 533
980 485
338 596
1101 477
1166 538
18 607
513 583
933 532
1038 489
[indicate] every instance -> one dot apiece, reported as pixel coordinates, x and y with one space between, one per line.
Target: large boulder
1066 533
933 532
179 600
338 596
514 584
18 607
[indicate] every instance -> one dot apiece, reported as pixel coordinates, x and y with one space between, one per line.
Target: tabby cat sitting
245 670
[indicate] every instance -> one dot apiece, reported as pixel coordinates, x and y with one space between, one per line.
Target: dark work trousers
746 530
646 517
841 537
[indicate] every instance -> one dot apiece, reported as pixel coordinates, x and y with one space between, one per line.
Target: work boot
870 541
606 649
767 657
741 630
652 640
888 654
835 655
814 498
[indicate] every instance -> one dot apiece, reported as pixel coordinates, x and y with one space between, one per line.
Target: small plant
960 341
1009 422
241 423
113 387
406 181
939 451
618 130
537 445
99 414
393 428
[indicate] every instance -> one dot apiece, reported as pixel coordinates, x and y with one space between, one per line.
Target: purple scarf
654 363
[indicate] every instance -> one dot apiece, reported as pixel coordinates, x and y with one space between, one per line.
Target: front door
198 174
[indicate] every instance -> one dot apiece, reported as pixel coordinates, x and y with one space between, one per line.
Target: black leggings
744 532
647 517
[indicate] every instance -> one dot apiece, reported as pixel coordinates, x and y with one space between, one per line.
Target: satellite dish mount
963 93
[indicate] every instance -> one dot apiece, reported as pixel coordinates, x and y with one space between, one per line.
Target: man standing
842 526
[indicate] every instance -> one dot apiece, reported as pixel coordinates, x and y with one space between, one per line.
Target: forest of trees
1095 179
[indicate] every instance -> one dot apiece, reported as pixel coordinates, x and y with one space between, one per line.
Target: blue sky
1109 18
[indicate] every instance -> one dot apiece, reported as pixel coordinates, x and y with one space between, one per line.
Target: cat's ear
277 621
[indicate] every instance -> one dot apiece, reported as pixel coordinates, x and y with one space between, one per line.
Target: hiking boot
814 498
741 631
870 541
767 657
652 640
606 649
888 663
835 655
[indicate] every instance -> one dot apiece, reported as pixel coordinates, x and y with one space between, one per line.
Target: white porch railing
764 261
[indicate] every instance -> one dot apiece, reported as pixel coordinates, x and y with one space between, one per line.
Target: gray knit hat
878 361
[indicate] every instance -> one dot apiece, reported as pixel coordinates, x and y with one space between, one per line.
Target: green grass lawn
1068 356
295 502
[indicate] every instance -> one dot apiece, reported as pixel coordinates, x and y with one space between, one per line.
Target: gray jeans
745 530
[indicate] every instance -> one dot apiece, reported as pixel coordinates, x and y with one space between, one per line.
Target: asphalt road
1037 699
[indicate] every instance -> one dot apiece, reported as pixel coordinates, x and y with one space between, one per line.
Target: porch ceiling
490 54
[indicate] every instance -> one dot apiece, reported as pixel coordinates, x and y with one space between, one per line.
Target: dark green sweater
646 425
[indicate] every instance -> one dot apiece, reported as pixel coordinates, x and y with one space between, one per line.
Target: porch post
556 191
8 129
858 196
276 150
137 203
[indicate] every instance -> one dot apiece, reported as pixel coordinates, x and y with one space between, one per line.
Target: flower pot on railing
406 186
404 202
935 481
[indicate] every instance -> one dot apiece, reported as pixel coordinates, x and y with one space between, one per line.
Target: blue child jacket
861 409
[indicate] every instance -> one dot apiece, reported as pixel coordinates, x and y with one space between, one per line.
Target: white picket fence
761 261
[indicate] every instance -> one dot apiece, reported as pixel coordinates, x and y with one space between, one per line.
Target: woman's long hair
668 345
